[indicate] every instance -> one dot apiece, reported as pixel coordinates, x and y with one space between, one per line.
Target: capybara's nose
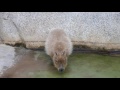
61 70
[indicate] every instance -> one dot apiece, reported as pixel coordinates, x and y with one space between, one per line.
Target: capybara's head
60 60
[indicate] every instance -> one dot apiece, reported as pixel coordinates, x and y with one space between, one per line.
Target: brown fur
58 46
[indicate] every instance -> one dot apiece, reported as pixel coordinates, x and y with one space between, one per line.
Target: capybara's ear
63 53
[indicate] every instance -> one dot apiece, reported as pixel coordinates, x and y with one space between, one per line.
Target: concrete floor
36 64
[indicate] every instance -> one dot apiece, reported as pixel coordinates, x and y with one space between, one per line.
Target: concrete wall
94 29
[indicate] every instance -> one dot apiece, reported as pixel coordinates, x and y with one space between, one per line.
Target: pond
36 64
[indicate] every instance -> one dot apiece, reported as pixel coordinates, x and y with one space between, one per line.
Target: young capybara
58 46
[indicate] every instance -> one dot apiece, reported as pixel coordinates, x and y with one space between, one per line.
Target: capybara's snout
61 69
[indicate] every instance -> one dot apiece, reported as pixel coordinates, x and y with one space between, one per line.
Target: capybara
58 46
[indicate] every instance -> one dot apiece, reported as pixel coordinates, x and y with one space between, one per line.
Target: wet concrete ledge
77 48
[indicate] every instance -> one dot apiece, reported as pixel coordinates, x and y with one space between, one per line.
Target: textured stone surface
8 31
7 57
95 29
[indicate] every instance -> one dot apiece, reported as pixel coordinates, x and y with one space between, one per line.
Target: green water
83 66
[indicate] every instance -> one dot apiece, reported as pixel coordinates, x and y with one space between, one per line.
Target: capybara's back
58 46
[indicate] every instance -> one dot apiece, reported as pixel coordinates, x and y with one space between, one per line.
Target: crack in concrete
19 33
1 40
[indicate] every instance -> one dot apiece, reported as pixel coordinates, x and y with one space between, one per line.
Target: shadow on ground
36 64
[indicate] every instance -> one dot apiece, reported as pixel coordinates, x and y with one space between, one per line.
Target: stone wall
94 29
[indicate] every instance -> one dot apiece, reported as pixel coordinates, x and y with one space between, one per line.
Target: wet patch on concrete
7 57
28 62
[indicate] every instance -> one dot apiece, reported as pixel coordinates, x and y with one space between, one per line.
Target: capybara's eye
63 53
55 53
